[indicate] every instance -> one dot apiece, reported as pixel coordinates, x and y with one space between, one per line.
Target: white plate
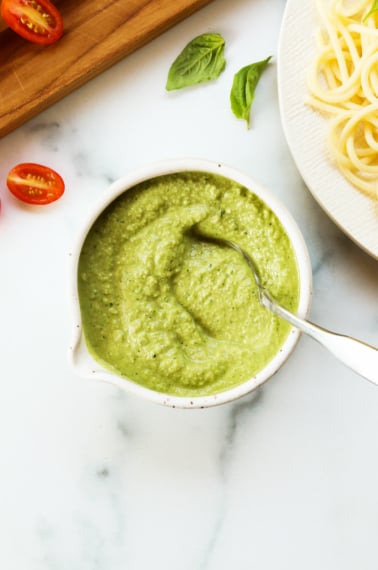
305 131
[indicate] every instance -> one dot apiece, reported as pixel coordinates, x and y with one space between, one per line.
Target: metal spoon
357 355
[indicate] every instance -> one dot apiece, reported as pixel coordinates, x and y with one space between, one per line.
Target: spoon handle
359 356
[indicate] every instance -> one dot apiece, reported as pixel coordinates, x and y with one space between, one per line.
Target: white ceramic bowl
85 365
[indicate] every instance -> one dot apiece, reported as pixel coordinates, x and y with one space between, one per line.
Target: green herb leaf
201 60
243 88
374 8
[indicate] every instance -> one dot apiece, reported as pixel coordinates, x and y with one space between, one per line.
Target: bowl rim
83 362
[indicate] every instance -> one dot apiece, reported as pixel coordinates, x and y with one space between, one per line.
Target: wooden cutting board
97 35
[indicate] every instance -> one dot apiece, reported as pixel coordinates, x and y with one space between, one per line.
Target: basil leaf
243 88
374 8
201 60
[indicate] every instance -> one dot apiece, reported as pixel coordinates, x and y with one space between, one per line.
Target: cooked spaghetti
343 84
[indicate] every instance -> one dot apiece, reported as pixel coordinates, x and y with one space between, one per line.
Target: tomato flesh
38 21
35 184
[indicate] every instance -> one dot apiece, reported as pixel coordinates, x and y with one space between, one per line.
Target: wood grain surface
97 35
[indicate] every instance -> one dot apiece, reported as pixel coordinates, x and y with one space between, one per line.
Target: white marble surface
94 479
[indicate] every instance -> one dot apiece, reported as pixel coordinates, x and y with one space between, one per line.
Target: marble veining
92 478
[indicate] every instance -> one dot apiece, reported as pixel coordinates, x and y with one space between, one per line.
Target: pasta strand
343 85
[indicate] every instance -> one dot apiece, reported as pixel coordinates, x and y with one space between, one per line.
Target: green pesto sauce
171 312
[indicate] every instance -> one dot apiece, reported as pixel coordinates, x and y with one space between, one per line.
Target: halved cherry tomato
38 21
35 184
